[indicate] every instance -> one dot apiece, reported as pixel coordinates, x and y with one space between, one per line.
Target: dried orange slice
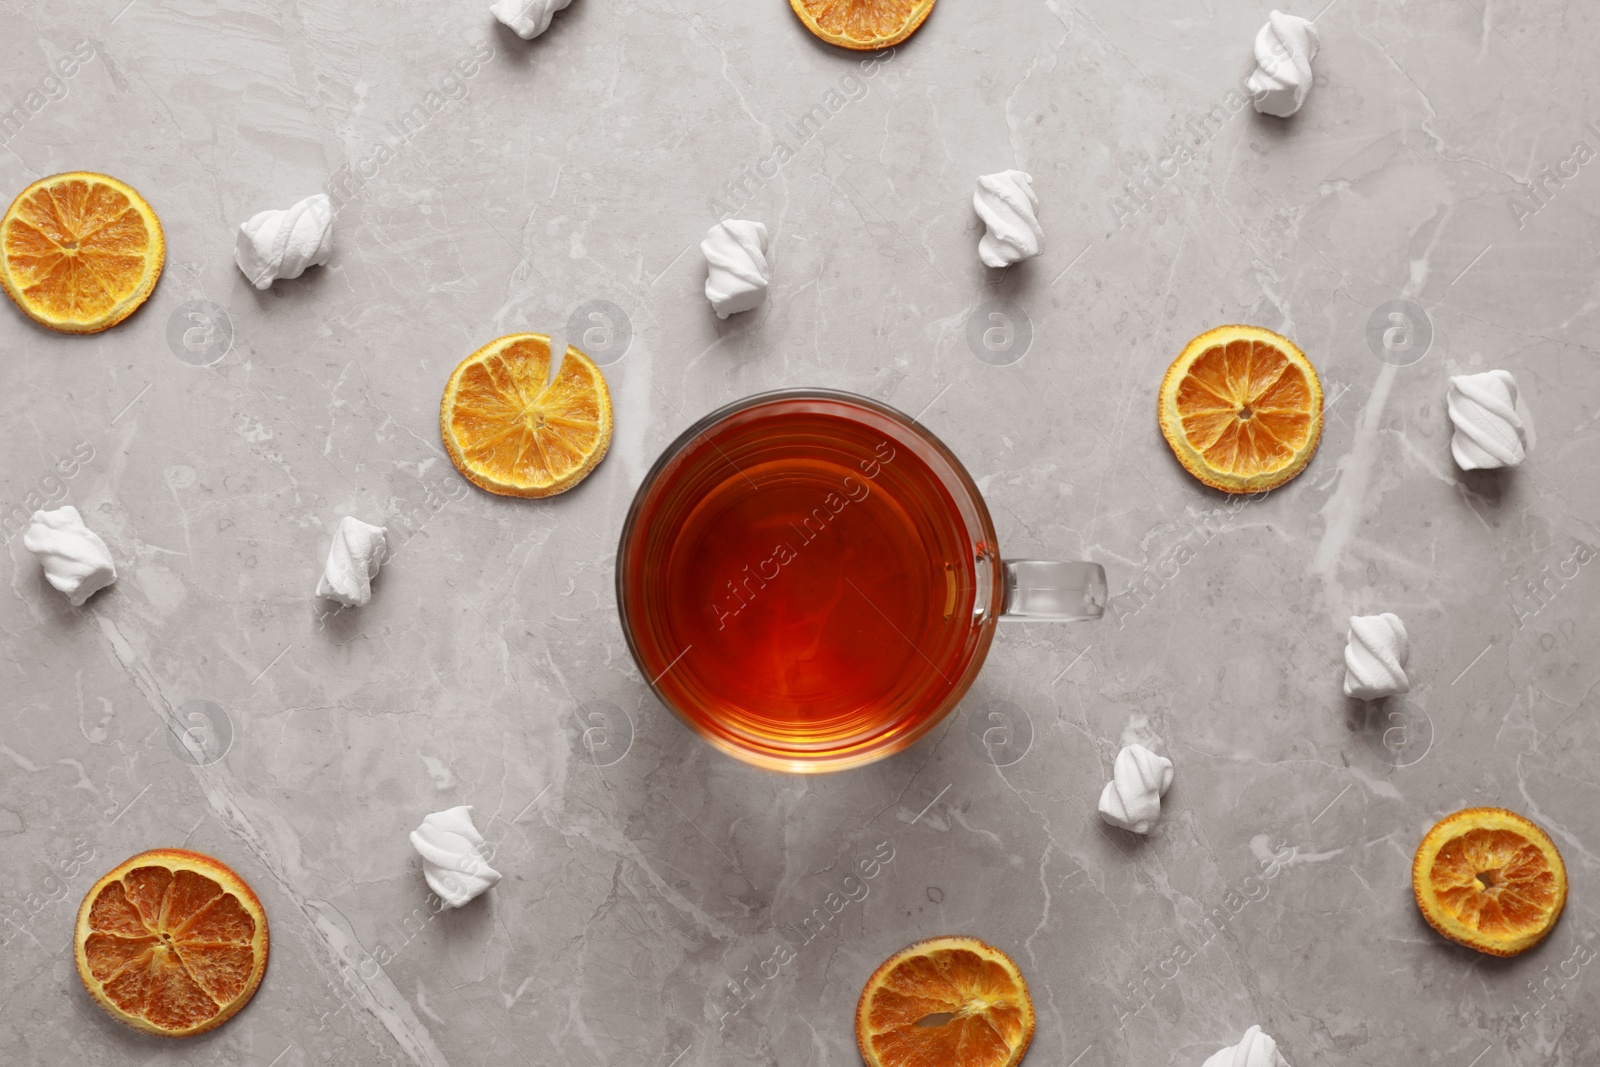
509 432
80 252
1242 409
171 942
864 25
945 1002
1489 879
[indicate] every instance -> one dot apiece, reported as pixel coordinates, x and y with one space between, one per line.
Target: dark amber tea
804 579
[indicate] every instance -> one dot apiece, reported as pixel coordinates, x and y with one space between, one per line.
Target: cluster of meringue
77 562
1488 434
282 244
738 276
74 558
453 856
1132 799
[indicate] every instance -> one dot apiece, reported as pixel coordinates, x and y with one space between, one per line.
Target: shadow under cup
809 580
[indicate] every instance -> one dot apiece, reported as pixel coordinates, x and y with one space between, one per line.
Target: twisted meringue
1009 209
282 244
1285 47
527 18
737 275
1375 657
1254 1049
452 854
74 558
1132 799
1489 432
358 550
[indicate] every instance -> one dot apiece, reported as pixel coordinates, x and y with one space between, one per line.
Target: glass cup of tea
809 579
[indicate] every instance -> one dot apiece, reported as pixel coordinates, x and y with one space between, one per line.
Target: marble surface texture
1442 172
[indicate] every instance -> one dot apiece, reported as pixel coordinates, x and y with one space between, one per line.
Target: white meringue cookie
282 244
1375 657
1285 47
1009 209
75 560
737 275
358 550
1254 1049
527 18
1489 432
452 854
1132 799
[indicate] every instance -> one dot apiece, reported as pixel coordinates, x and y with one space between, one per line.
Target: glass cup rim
985 535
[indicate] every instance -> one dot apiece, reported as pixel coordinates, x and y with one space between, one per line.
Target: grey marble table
648 879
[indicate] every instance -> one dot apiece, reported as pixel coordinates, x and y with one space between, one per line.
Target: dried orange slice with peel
171 942
1241 407
510 432
945 1002
864 25
1489 879
80 252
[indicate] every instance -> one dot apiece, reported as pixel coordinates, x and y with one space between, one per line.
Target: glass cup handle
1045 591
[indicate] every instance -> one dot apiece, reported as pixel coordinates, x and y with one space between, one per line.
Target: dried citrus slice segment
945 1002
1492 880
510 432
171 942
1489 879
862 24
80 252
1242 409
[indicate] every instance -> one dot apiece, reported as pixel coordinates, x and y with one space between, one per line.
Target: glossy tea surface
800 584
